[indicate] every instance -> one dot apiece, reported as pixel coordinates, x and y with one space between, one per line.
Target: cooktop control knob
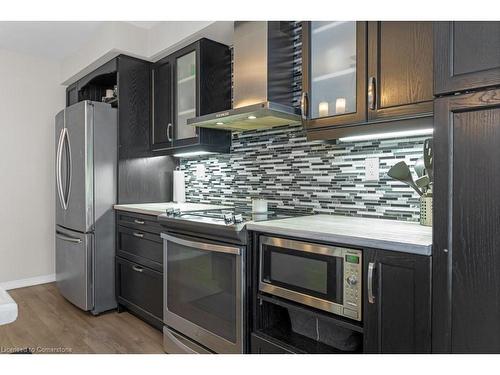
352 280
238 219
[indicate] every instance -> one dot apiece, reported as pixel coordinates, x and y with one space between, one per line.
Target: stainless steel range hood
262 79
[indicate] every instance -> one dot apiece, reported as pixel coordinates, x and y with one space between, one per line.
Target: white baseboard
14 284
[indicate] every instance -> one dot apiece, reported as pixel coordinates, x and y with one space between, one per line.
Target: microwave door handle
203 246
371 269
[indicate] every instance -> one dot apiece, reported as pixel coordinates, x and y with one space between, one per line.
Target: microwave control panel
353 264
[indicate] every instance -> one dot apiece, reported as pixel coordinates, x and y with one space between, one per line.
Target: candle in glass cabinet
340 105
323 109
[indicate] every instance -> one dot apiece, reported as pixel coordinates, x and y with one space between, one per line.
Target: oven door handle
202 245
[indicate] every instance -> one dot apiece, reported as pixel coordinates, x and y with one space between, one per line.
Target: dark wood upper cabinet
193 81
72 94
134 108
131 78
397 302
333 73
400 72
466 257
467 56
161 124
357 75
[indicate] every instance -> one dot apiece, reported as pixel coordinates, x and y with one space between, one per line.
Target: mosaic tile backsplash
280 165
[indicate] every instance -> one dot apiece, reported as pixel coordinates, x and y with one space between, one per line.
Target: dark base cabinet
397 304
396 312
139 267
139 289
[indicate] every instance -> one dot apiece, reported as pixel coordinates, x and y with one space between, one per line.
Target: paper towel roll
179 187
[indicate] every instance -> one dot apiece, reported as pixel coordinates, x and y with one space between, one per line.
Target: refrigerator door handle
59 166
70 170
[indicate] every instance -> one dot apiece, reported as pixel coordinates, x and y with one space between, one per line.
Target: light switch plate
372 169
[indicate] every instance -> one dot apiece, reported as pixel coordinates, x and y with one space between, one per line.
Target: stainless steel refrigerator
86 170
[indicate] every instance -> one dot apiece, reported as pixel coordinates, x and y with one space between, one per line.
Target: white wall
114 38
30 97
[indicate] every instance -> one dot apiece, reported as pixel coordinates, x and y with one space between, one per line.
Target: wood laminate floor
48 323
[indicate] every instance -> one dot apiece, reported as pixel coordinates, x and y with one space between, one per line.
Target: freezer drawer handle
67 238
137 268
139 235
139 222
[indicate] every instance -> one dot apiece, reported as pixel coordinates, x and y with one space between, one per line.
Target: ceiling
53 40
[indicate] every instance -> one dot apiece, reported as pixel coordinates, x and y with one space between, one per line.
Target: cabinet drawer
141 247
140 286
144 223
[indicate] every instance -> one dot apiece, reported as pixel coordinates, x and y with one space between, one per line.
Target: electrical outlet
371 169
200 171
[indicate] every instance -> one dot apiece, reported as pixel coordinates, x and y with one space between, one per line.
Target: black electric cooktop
223 223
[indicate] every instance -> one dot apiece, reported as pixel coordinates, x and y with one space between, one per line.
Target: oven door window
316 275
202 288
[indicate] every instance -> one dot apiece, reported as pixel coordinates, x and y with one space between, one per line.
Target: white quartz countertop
8 308
159 208
374 233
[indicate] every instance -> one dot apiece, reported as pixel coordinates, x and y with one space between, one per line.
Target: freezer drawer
74 265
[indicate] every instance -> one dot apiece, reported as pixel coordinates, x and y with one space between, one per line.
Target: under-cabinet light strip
406 133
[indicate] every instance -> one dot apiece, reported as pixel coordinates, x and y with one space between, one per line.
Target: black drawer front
143 223
145 248
140 286
259 345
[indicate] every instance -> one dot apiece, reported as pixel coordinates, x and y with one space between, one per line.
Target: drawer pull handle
137 268
139 222
140 235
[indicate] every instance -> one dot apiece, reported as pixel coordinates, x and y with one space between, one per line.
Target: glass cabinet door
334 74
185 106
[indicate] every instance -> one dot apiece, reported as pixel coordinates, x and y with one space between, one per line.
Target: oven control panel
353 264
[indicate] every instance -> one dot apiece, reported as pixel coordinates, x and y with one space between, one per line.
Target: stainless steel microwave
325 277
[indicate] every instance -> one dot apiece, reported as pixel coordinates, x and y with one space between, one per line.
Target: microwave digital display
352 259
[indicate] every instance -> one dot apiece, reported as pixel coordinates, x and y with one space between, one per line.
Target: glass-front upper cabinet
185 106
334 73
191 82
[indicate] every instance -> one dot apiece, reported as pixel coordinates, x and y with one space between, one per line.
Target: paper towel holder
179 186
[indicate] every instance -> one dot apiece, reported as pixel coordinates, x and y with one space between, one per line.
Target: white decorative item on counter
8 308
179 187
259 205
